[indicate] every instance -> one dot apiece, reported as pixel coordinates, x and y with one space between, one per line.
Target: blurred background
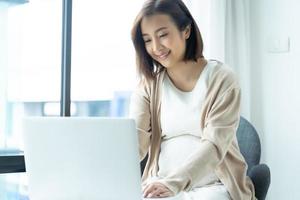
259 39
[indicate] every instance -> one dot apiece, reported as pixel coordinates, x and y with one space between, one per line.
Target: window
103 58
103 66
103 61
30 64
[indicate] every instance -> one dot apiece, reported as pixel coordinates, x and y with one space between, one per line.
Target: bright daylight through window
103 67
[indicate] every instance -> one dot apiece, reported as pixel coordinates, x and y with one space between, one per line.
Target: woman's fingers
148 189
159 193
165 194
156 190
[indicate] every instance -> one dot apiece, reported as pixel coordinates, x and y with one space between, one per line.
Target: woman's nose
157 47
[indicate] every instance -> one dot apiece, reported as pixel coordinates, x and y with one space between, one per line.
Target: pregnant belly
175 151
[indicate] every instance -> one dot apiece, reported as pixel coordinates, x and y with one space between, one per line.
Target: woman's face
163 40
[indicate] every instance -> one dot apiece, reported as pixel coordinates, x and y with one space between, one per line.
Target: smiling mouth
163 56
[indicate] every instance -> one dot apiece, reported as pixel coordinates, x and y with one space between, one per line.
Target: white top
181 136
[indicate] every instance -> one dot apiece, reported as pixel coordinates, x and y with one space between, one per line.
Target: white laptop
82 158
89 158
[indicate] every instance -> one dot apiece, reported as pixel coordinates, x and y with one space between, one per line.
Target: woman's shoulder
221 74
149 83
146 86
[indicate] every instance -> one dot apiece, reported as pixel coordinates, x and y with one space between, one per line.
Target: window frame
13 161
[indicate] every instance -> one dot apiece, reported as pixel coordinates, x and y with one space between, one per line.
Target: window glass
30 57
103 57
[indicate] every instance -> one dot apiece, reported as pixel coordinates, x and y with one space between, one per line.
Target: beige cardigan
219 151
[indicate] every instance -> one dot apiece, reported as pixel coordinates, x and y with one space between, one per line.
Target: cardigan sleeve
140 112
220 127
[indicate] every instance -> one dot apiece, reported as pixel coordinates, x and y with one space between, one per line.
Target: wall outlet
279 44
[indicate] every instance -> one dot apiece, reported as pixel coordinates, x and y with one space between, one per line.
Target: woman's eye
163 35
147 41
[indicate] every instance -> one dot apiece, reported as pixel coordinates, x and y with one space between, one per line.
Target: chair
250 148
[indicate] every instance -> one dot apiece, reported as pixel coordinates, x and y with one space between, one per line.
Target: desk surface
13 186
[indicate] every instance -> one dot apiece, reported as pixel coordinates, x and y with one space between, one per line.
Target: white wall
275 92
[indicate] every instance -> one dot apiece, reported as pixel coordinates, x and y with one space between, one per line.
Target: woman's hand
156 190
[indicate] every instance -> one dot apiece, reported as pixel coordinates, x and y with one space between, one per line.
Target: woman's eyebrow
159 29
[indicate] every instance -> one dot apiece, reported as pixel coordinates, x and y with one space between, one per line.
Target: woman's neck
185 75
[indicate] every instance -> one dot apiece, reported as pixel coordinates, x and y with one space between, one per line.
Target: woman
186 110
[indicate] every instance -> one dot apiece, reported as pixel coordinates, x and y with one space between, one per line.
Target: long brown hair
176 9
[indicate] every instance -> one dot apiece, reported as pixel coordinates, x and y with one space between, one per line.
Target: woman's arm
140 112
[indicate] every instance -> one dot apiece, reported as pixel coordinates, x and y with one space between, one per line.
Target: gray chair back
249 143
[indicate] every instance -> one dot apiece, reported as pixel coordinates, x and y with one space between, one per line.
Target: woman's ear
187 31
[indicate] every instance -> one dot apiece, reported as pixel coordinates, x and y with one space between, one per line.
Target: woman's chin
165 63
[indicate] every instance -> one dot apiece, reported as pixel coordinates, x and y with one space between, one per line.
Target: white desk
13 186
